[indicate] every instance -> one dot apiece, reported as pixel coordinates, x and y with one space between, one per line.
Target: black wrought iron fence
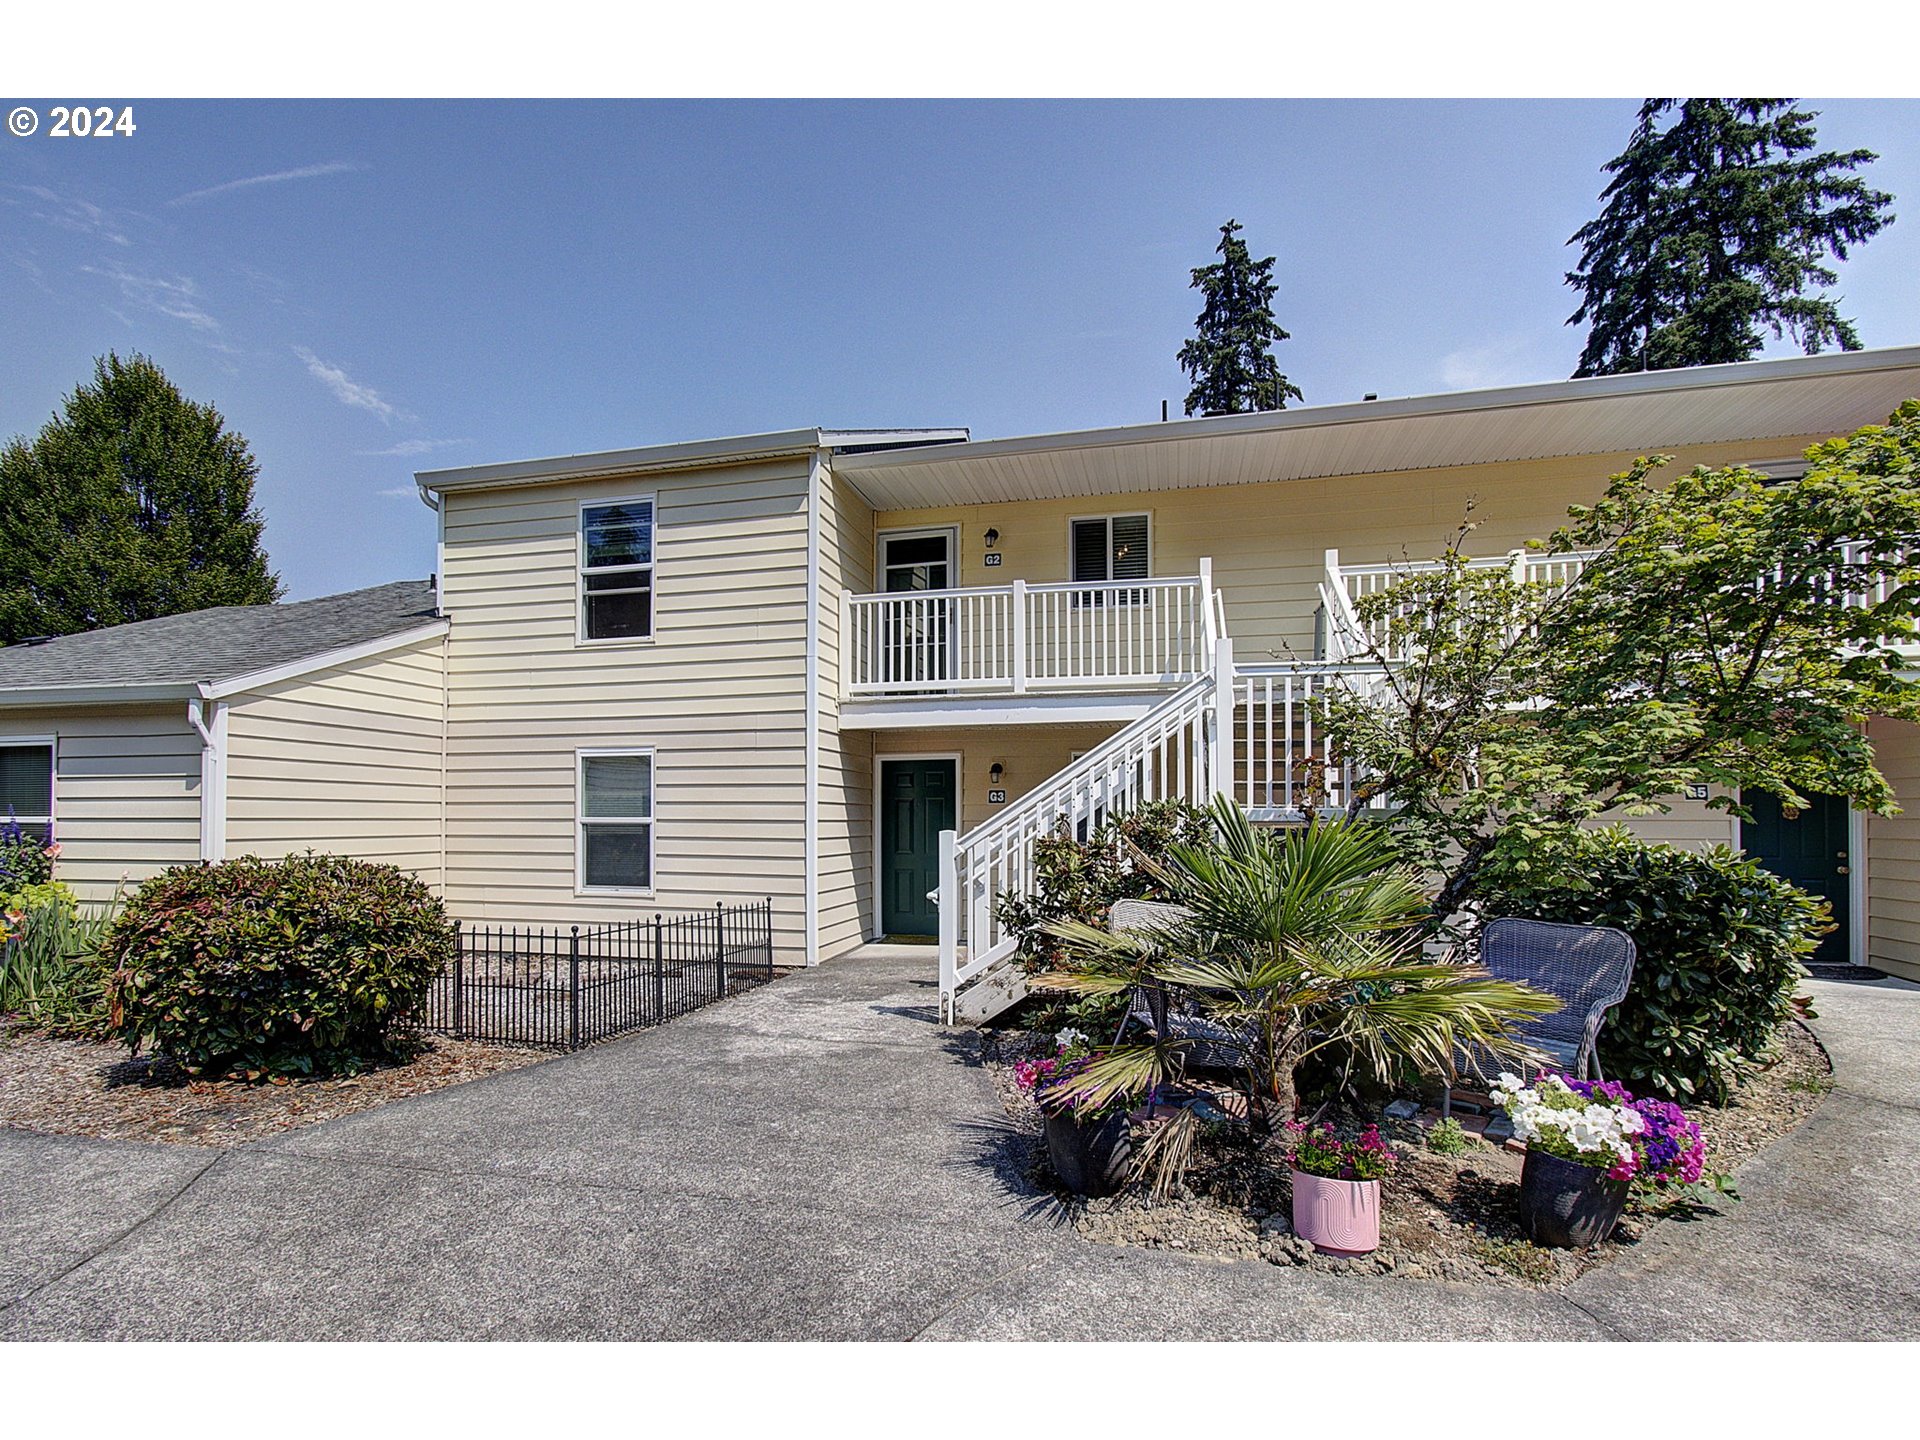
564 988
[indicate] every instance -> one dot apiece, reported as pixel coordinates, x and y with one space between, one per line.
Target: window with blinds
615 821
26 787
1107 548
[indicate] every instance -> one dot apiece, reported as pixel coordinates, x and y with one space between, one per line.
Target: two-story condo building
862 671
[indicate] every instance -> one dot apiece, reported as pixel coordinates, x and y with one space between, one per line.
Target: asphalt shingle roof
207 646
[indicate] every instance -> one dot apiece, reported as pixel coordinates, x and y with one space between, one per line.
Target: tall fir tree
1717 227
132 502
1230 358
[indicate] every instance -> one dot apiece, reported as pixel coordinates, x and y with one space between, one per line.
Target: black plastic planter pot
1091 1157
1568 1205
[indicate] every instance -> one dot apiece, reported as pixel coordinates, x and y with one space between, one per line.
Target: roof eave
54 696
688 455
1547 392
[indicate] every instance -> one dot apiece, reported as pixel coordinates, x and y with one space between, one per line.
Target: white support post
851 665
1220 721
209 720
1209 634
1019 637
1518 560
949 907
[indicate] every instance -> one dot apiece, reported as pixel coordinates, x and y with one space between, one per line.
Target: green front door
1808 847
916 804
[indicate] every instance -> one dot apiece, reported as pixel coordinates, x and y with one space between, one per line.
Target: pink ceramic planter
1337 1217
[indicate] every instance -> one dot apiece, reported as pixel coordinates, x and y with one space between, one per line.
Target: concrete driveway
818 1160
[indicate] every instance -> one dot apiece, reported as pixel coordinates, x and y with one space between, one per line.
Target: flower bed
1447 1217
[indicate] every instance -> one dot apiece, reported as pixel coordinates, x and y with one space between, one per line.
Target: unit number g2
99 121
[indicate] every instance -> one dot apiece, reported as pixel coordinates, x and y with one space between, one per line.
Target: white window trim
580 822
1110 517
580 638
916 532
52 742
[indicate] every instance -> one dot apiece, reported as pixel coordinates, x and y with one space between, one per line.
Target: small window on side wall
615 839
616 570
26 788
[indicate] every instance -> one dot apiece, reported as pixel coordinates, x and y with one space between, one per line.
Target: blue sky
367 288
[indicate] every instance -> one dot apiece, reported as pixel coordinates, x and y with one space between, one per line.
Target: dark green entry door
916 804
1808 847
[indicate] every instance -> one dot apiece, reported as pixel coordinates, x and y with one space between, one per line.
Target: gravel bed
1442 1217
81 1087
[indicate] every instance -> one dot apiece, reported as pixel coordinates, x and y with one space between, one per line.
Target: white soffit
1621 414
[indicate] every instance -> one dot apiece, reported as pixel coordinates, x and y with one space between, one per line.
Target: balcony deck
1019 652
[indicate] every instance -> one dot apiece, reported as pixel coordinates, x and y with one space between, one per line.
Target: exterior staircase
1246 732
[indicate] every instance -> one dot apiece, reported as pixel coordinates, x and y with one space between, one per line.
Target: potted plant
1336 1188
1089 1138
1590 1144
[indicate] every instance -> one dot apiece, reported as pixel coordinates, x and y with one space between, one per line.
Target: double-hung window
616 570
615 824
26 785
1108 548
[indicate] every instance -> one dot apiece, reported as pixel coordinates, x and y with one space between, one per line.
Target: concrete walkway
819 1160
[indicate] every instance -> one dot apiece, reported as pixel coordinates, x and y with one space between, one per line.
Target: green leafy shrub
315 964
1720 940
1080 880
1450 1137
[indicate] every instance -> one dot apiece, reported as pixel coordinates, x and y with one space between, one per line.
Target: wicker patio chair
1210 1045
1588 967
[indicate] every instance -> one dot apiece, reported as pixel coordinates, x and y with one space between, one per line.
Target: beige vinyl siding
1893 855
346 761
1686 824
1268 542
845 810
718 694
126 791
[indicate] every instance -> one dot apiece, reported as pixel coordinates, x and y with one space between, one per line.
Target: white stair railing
1168 754
1285 767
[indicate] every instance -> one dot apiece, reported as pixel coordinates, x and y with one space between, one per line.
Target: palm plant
1294 944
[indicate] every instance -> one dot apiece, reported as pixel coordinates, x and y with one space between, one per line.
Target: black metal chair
1209 1045
1587 967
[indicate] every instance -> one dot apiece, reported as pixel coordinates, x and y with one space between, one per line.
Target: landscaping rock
1402 1110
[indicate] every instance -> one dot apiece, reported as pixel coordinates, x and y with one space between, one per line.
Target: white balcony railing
1343 586
1012 639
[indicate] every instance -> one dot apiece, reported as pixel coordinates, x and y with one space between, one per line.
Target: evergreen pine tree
133 502
1230 358
1718 225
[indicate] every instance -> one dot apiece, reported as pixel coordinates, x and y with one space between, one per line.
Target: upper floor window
1108 548
616 570
26 785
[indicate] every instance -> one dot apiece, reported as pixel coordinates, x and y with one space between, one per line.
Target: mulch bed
1442 1217
81 1087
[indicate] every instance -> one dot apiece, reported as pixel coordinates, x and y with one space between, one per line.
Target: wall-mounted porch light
993 538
